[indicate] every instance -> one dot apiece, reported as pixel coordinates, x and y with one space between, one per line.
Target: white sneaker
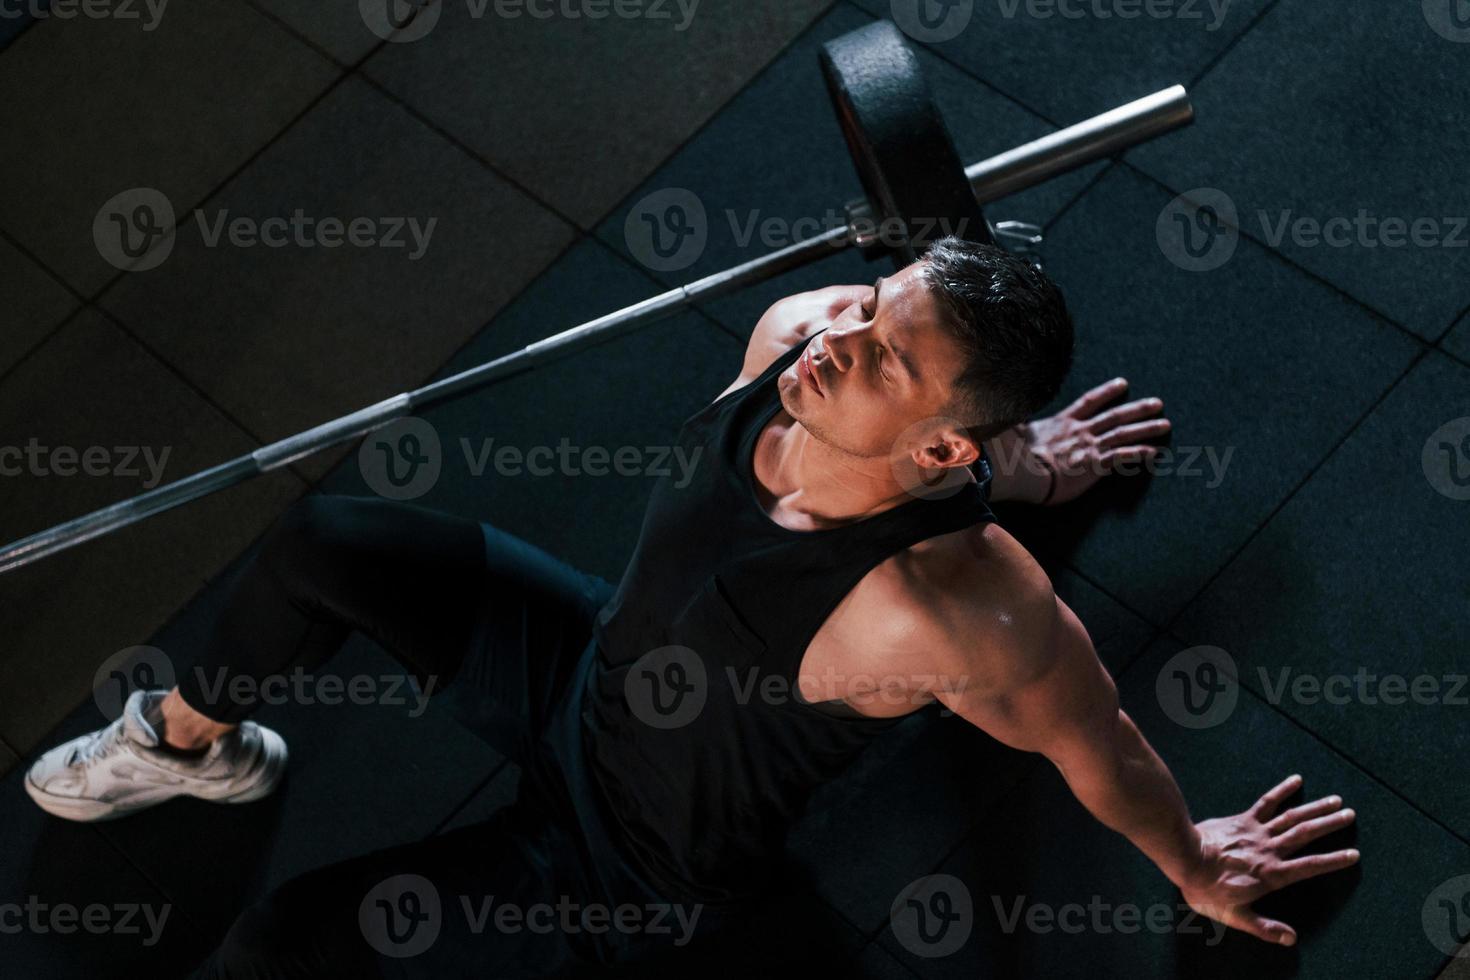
120 768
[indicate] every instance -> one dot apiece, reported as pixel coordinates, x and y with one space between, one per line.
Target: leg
428 909
406 576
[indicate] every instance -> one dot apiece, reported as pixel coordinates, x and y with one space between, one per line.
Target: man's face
884 364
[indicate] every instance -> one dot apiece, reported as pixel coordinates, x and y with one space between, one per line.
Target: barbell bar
988 180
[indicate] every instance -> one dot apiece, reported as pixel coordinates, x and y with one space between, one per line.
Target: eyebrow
902 355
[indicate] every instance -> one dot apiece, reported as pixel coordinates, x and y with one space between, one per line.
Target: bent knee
316 535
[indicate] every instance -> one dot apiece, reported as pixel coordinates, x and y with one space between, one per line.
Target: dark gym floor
1327 549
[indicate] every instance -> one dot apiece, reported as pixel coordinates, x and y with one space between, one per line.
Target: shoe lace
101 745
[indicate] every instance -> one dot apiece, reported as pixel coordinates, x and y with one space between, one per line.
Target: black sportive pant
505 630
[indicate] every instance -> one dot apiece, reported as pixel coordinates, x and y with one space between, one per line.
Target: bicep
1065 707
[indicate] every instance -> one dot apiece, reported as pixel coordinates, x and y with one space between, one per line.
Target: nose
838 344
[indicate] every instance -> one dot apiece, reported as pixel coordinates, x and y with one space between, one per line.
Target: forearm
1135 795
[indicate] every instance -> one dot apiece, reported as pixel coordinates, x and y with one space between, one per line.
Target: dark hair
1012 325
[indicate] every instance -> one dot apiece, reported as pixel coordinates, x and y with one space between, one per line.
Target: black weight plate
914 178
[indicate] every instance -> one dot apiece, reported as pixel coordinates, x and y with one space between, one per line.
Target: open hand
1246 856
1083 443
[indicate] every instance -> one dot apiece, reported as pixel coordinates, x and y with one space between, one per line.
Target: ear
949 445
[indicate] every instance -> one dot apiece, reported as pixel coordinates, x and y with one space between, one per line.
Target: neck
829 487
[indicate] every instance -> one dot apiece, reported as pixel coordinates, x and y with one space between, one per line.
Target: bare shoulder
978 593
787 323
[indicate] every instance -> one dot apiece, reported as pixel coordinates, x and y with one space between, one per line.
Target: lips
805 373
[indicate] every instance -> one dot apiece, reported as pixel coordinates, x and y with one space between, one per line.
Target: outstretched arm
1063 704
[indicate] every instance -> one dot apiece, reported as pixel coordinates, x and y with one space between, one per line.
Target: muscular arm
1063 704
1047 692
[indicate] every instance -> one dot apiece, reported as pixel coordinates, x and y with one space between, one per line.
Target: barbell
917 190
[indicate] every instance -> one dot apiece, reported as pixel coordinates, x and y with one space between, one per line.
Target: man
831 566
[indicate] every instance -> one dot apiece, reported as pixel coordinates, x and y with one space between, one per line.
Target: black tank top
694 731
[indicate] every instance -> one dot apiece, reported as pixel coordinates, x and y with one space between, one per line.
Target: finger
1269 930
1312 865
1137 432
1267 805
1307 831
1131 412
1091 402
1306 811
1128 454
